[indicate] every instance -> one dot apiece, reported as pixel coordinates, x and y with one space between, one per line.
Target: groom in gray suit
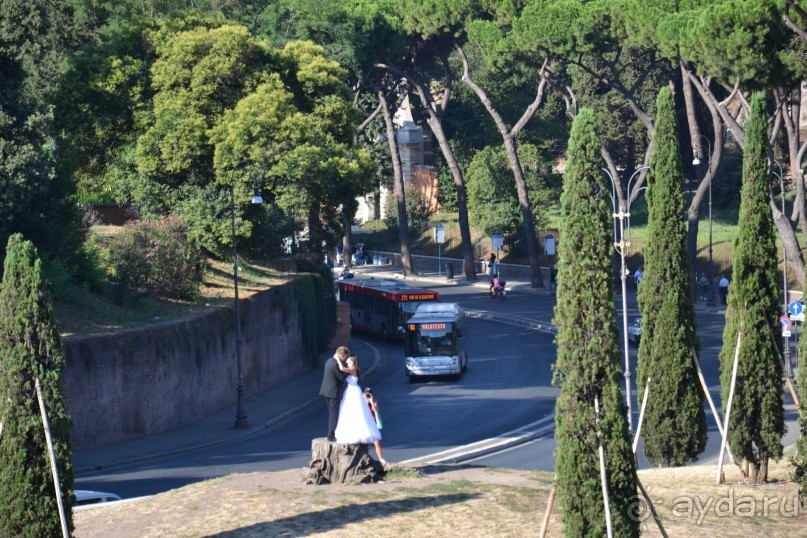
333 385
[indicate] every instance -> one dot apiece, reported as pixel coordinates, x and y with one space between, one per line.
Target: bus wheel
412 378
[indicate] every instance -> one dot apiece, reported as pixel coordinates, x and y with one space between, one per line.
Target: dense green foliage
674 428
587 364
186 106
492 197
35 39
317 306
30 349
757 415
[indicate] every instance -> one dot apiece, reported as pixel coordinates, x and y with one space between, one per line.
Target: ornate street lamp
710 296
622 246
780 176
240 412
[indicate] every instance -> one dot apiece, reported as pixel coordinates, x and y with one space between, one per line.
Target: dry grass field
443 500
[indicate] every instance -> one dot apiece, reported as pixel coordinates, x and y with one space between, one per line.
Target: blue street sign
795 308
784 321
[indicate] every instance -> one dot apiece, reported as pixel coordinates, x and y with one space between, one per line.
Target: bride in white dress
356 424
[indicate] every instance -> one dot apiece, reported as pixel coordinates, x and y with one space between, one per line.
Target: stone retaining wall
166 375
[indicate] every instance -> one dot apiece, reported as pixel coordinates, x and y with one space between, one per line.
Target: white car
84 497
635 331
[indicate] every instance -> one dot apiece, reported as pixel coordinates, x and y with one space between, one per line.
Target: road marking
487 446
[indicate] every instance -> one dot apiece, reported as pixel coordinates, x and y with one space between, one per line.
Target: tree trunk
334 463
398 188
509 138
435 124
314 232
533 249
758 471
468 265
347 240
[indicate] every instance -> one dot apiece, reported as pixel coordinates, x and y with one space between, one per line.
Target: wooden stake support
711 403
52 456
728 410
548 512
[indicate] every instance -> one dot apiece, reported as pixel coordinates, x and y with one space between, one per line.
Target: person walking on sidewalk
723 286
333 385
491 265
703 286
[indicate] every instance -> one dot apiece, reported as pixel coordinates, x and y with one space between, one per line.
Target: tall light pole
240 411
710 296
622 246
781 177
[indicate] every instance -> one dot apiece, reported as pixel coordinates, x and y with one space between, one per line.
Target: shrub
156 258
416 211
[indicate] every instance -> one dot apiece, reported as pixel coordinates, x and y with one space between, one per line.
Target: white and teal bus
436 341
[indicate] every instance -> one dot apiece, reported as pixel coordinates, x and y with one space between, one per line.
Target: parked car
635 330
84 497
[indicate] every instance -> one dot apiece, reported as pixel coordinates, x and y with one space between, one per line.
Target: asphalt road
538 454
506 386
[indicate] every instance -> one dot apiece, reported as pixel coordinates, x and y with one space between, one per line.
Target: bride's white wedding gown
356 424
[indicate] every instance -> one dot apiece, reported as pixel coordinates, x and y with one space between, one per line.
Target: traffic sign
785 323
795 308
497 241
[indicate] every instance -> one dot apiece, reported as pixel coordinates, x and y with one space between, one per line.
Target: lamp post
240 411
781 177
710 296
622 247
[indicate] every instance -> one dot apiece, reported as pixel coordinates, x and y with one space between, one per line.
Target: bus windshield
408 309
430 339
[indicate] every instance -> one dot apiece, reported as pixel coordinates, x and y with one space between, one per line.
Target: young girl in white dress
356 424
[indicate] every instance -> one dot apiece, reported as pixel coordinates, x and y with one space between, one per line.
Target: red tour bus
382 306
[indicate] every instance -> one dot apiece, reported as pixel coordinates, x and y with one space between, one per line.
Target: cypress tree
30 347
799 461
757 415
588 355
674 428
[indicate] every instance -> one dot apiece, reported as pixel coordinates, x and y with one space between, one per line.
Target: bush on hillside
156 258
416 211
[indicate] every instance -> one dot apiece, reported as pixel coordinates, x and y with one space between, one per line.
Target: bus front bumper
433 366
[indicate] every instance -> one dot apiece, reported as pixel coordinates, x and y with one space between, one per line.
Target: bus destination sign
432 326
418 297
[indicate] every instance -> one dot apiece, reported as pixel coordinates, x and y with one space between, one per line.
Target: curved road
506 386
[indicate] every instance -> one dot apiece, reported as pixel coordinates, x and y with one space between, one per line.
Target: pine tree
587 359
30 347
674 428
757 416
